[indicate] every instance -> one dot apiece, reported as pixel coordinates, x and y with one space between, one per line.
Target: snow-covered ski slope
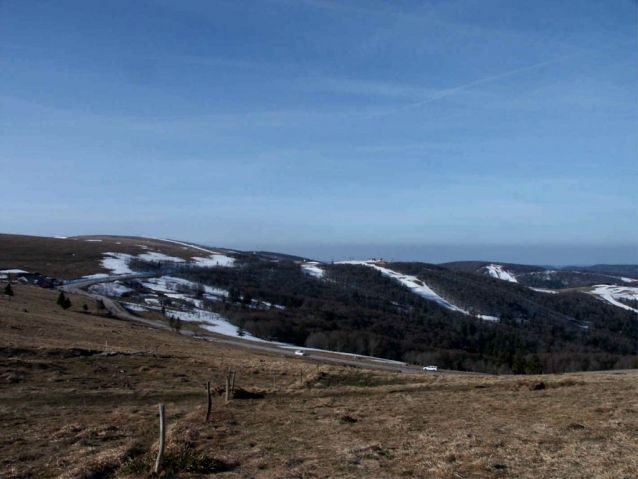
497 271
417 287
312 268
611 294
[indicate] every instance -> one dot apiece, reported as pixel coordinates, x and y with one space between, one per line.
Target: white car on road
430 368
299 352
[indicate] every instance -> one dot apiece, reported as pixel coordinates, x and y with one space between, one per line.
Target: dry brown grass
68 415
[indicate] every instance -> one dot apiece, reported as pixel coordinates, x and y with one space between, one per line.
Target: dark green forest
356 309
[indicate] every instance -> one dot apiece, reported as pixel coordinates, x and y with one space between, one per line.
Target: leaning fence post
160 453
210 402
227 387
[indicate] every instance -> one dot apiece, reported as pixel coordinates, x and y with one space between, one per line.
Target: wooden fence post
162 442
227 387
232 382
210 402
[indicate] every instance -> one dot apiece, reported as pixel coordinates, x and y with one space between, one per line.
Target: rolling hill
475 316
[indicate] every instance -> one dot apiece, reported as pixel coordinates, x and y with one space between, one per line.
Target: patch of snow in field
629 280
134 307
313 269
198 303
210 291
152 301
497 271
548 291
61 237
114 289
418 287
612 293
176 296
214 260
160 257
213 322
171 284
117 263
142 246
13 271
94 241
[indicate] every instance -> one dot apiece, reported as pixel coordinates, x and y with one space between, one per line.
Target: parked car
430 368
299 352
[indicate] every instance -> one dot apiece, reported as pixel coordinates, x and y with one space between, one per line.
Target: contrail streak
452 91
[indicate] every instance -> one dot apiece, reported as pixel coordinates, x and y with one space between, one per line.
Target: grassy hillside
69 411
77 256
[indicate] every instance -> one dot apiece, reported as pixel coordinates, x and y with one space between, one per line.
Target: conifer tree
519 365
534 365
63 301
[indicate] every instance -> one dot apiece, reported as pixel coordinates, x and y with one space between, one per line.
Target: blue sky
314 126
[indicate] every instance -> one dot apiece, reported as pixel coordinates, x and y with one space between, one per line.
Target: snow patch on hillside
213 322
214 260
418 287
134 307
171 284
313 269
114 289
160 258
117 263
548 291
612 293
497 271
